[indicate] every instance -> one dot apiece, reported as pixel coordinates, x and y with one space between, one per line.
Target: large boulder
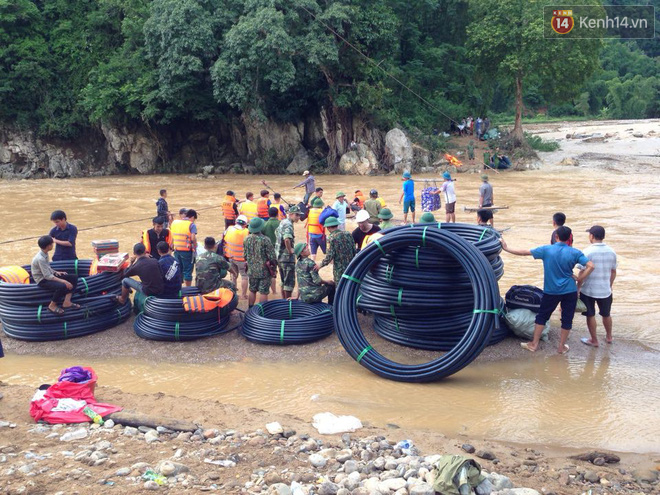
301 162
131 149
399 150
361 161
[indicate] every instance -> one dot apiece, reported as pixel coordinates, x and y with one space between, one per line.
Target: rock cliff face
245 144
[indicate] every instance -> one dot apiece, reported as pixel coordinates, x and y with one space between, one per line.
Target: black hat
597 231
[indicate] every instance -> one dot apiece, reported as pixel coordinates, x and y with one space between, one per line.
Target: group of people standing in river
259 244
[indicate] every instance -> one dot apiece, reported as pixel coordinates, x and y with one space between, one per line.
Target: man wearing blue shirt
559 284
64 236
408 196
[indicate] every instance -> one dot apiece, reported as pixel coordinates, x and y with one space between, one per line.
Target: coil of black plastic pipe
93 306
484 318
286 322
173 310
88 286
151 328
64 329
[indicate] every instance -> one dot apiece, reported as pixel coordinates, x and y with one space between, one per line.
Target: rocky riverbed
283 456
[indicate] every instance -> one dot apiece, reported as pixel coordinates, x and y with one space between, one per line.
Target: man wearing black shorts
559 284
597 288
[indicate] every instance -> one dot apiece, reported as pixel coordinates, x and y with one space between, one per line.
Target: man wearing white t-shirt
597 287
450 197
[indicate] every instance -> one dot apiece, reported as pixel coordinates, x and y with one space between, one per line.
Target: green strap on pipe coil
375 241
417 258
424 237
392 310
483 232
439 225
290 309
364 351
261 308
352 279
118 315
65 332
41 306
86 286
357 300
282 332
493 311
75 266
396 324
176 331
400 295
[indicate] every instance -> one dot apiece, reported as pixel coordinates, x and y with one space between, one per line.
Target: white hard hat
306 172
362 216
242 219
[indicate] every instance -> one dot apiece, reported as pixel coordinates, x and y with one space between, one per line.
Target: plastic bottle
78 434
93 415
154 476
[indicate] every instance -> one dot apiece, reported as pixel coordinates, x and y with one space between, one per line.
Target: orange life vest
249 209
221 296
280 214
262 208
234 238
180 230
313 224
94 268
147 242
360 199
228 208
370 238
208 302
14 275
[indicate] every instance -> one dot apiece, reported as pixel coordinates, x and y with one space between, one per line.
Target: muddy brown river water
609 398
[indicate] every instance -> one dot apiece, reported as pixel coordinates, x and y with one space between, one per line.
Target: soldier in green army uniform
284 244
386 219
311 287
211 269
260 259
341 250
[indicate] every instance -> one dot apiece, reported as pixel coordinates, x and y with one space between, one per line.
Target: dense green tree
506 42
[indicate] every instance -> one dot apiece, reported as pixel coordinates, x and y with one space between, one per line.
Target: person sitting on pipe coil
170 269
311 287
144 266
60 283
211 269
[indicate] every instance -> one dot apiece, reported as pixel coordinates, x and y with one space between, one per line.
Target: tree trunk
517 133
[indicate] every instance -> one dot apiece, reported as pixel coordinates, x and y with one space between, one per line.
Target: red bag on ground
42 405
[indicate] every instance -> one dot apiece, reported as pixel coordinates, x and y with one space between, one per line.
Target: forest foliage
69 64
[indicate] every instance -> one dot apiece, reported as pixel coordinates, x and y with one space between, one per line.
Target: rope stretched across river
10 241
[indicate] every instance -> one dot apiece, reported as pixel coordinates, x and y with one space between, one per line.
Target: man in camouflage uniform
284 244
341 250
311 287
259 252
211 269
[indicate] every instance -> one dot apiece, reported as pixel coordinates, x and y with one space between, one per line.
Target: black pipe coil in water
285 322
485 295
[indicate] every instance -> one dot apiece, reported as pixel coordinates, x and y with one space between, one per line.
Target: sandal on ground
588 342
566 349
525 345
73 306
57 311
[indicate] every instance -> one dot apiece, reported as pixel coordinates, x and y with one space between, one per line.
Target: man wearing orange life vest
184 237
277 203
315 231
263 204
248 208
358 201
234 238
229 209
151 237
